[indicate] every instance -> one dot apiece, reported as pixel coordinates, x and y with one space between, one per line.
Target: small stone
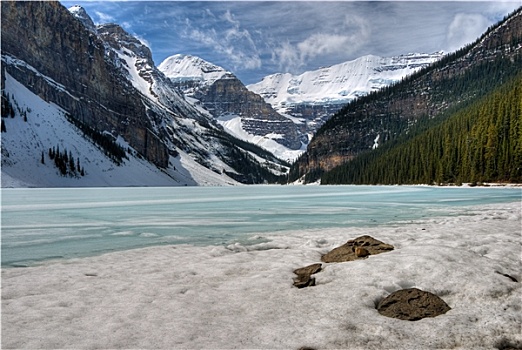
303 281
308 270
304 274
412 304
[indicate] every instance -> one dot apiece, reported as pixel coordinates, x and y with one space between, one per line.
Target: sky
257 38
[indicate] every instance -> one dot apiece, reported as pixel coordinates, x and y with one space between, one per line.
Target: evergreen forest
479 143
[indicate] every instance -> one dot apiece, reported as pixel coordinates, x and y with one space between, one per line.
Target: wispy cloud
224 34
102 17
465 28
343 40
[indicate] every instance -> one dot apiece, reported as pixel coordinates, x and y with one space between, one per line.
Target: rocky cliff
228 95
58 58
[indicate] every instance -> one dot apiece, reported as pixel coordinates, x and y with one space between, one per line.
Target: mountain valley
85 105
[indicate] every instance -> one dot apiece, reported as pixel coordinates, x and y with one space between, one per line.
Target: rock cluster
407 304
358 248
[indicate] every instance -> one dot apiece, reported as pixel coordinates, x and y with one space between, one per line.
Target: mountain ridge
105 81
340 83
420 101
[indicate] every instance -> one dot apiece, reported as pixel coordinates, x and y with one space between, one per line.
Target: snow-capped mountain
191 69
340 83
241 112
79 13
96 93
316 95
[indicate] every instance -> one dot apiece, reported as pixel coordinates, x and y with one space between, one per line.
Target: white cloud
349 38
227 37
286 56
464 29
103 17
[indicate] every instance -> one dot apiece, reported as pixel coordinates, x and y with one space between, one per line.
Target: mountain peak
79 13
119 38
182 67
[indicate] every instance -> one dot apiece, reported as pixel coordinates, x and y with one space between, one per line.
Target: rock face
228 95
412 304
357 248
40 44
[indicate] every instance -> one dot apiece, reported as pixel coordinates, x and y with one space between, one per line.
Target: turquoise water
41 224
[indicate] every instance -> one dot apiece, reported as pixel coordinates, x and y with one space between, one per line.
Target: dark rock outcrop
412 304
357 248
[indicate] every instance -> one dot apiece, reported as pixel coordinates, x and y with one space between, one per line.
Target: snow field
242 296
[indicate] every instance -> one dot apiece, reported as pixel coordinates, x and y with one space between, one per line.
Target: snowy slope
340 83
47 127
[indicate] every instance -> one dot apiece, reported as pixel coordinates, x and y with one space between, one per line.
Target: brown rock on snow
412 304
308 270
304 274
356 248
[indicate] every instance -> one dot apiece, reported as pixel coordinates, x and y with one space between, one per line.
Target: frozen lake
41 224
216 267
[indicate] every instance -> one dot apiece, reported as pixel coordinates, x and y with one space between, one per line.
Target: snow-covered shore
241 297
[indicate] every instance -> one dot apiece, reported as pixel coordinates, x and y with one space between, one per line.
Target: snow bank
241 296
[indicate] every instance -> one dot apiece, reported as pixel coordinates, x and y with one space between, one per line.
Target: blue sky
254 38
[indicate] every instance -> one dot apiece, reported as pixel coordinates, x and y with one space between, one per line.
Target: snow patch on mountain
181 68
131 63
341 83
234 125
79 13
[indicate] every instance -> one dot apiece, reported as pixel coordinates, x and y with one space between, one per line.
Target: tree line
65 162
106 142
